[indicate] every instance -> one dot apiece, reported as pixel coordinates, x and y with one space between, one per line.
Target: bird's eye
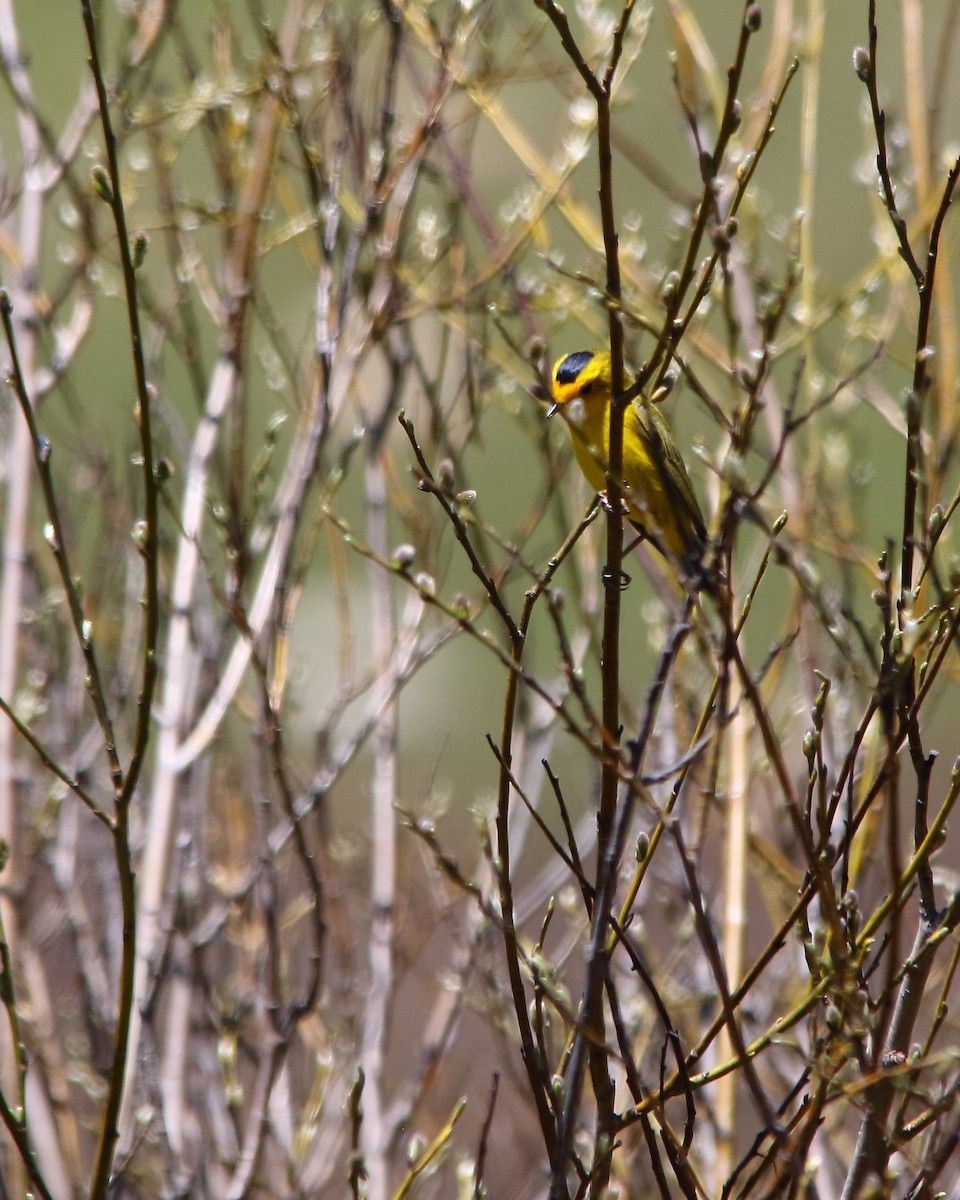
586 389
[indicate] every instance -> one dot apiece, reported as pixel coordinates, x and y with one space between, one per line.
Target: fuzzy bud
101 184
445 474
669 288
138 250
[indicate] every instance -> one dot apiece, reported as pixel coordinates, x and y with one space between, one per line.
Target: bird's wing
669 463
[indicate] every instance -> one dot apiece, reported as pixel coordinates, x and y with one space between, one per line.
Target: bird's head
580 376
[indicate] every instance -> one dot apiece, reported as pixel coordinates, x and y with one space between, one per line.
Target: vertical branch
380 994
383 872
591 1017
923 97
147 536
808 163
914 95
734 914
17 476
147 533
592 1003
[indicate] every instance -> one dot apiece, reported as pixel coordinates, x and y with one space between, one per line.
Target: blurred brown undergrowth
357 839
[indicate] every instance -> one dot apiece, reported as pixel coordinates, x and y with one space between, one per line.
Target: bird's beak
552 409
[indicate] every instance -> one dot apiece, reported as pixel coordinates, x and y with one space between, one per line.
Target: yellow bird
659 500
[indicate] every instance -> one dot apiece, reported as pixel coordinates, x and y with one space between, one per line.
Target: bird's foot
621 583
608 507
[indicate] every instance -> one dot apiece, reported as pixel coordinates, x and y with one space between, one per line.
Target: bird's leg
623 582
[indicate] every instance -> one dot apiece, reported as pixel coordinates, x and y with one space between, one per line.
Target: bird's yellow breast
589 422
591 445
